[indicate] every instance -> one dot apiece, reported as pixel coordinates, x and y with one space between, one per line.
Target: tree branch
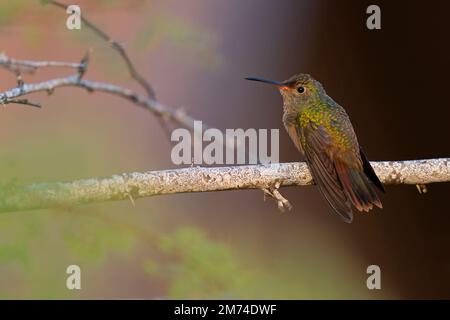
26 66
160 110
130 186
116 46
75 81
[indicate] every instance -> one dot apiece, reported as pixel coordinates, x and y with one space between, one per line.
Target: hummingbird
321 130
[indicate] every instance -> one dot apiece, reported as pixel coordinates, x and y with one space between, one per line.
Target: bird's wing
293 133
318 151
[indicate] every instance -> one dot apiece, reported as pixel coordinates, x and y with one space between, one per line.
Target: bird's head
297 91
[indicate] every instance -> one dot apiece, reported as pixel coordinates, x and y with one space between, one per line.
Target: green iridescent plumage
321 129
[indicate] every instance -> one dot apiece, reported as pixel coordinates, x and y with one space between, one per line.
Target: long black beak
276 83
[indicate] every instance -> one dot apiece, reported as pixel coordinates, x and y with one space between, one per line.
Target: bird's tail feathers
359 190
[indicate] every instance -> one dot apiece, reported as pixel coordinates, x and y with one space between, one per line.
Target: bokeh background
393 83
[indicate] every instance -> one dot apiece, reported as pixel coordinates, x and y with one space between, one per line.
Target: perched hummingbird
321 129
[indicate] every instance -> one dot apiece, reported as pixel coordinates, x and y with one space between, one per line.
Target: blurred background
392 82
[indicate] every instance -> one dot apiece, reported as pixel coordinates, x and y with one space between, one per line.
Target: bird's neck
295 109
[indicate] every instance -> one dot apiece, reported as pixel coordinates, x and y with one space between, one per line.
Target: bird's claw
422 188
273 192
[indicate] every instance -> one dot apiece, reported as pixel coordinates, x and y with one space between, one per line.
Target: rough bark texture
200 179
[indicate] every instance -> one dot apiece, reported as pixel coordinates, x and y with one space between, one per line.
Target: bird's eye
301 89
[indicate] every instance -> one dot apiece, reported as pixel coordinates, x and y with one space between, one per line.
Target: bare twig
116 46
26 66
163 121
128 62
75 81
198 179
162 112
25 102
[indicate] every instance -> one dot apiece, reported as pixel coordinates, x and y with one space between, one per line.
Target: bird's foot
273 192
422 188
